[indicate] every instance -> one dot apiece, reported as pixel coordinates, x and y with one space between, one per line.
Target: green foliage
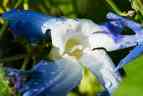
132 85
92 9
137 5
4 84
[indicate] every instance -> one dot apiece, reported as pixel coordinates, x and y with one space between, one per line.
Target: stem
139 5
115 8
26 60
42 8
34 59
18 3
1 20
27 57
1 10
13 58
5 4
3 28
25 5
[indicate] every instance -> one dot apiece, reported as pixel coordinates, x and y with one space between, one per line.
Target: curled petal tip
112 16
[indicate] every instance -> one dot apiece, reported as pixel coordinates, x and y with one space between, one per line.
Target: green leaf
5 90
137 5
132 85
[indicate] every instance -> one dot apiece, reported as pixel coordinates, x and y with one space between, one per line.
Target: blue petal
115 27
136 27
52 77
131 56
26 24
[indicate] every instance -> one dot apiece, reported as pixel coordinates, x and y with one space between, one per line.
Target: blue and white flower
76 43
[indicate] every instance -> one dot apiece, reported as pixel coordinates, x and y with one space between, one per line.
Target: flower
51 78
74 44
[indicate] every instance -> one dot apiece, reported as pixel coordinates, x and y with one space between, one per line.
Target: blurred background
96 10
